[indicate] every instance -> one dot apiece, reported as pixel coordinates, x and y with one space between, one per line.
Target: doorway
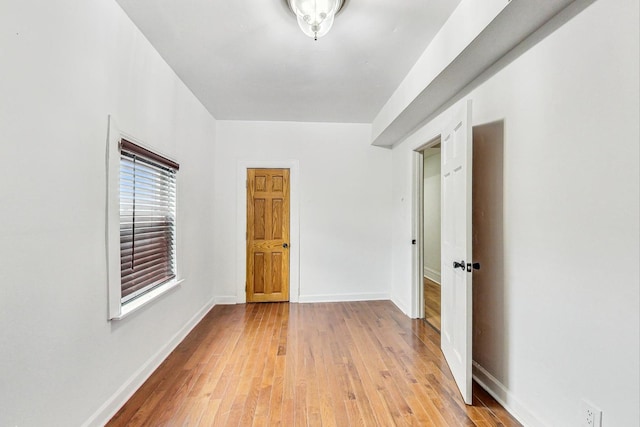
488 168
240 246
431 236
490 343
268 235
486 316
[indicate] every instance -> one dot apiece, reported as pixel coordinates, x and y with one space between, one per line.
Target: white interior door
456 248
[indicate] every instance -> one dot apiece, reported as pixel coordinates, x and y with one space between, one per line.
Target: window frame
116 308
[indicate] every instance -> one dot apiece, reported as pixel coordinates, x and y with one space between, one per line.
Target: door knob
285 245
460 265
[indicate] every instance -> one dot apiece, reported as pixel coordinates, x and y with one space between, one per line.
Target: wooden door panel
277 206
261 183
259 219
276 272
267 235
259 269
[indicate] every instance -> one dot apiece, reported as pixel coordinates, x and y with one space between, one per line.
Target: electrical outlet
591 416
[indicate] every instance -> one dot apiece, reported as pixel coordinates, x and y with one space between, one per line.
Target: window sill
138 303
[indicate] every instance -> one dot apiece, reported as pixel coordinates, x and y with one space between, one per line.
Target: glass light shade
318 30
315 17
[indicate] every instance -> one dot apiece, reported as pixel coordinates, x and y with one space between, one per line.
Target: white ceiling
248 60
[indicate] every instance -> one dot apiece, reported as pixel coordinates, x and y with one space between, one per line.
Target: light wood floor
338 364
432 303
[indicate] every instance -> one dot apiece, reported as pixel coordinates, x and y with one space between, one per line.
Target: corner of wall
124 393
505 397
402 305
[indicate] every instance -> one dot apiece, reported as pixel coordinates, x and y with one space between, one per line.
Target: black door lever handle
460 265
475 265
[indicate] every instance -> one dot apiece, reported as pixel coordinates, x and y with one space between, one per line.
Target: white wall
570 106
65 66
432 222
345 188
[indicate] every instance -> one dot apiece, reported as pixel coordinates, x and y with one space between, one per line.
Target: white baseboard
505 397
124 393
343 297
432 275
404 307
225 300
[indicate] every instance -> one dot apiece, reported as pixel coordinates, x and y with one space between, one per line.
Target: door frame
417 207
294 224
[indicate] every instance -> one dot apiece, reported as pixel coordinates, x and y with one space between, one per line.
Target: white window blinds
147 220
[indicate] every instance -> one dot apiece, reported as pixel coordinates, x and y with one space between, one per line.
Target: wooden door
267 235
456 249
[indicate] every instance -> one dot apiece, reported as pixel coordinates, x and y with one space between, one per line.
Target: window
141 224
147 220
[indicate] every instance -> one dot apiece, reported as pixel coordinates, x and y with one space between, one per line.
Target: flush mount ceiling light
315 17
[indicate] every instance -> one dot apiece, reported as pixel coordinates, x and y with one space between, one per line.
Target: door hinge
246 183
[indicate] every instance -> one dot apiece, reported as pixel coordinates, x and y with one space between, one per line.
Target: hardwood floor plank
191 411
210 412
330 364
432 303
